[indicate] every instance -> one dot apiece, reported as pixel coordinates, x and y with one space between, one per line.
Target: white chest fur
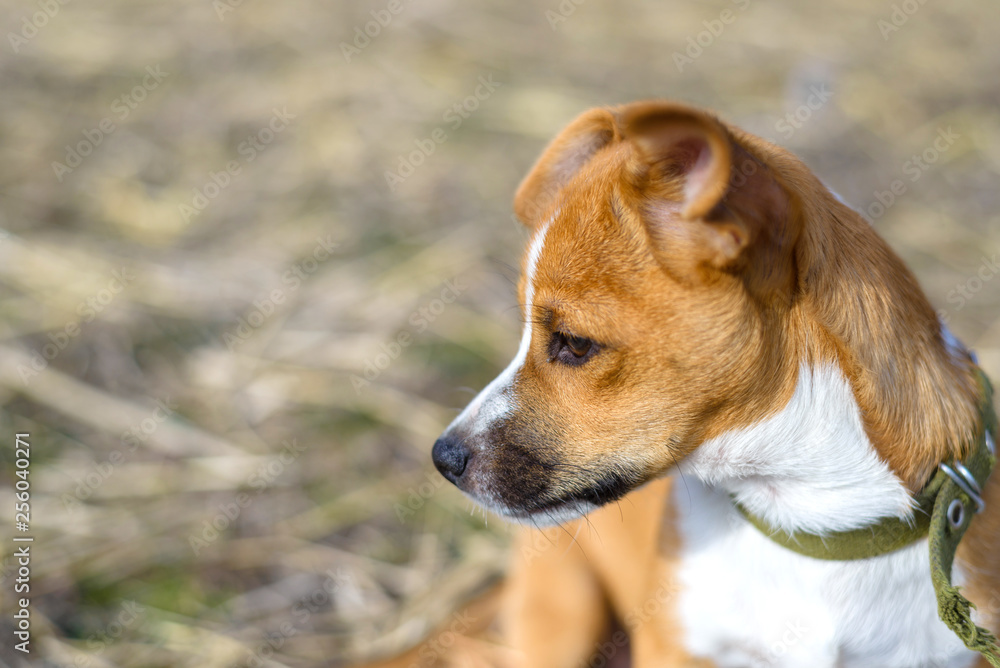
746 601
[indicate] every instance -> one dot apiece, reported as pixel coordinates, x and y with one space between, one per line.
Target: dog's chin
543 510
548 516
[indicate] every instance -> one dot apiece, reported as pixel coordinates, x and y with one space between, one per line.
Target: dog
716 351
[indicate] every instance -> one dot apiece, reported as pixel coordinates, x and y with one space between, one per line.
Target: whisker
591 531
680 472
572 542
506 271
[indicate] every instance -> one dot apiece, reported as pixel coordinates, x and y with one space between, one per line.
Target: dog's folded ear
707 198
568 152
683 146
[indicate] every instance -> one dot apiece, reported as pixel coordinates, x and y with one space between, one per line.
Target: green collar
944 509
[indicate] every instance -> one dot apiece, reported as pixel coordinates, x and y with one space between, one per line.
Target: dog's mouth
514 473
554 510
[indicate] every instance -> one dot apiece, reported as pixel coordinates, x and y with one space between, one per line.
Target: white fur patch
809 467
494 401
747 601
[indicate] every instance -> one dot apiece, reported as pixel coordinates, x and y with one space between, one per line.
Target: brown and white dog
705 321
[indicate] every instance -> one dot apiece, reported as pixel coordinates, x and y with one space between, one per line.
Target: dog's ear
568 152
705 196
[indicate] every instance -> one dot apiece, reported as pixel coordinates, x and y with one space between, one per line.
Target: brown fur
615 564
839 291
707 264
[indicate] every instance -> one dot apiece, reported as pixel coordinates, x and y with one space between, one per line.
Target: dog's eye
569 349
578 346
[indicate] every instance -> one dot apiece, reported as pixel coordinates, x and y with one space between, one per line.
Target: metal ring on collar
956 513
962 481
969 478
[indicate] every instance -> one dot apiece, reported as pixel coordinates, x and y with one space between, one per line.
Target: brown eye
569 349
578 346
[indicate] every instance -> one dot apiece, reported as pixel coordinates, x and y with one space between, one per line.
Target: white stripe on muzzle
495 401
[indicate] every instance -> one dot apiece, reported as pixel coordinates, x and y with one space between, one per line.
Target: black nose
450 457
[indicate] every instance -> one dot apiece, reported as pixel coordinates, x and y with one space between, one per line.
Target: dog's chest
745 601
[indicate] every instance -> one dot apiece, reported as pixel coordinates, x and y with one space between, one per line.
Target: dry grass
349 547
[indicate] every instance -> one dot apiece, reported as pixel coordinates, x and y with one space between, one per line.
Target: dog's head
657 292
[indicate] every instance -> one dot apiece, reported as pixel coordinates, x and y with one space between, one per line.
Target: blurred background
255 256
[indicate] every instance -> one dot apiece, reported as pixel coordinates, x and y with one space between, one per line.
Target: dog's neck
881 395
